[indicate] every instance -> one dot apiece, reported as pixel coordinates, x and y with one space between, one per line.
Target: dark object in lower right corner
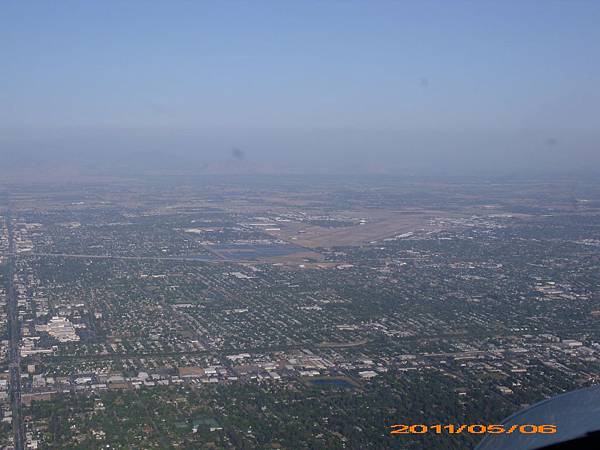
589 441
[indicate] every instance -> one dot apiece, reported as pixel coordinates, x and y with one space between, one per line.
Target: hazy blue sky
379 83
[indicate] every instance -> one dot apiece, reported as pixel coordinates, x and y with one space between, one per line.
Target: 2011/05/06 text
472 429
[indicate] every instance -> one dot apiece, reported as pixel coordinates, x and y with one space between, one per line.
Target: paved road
139 258
14 357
